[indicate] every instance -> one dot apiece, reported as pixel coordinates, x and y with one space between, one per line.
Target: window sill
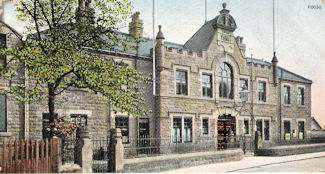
182 95
205 135
5 134
287 105
225 99
301 106
207 97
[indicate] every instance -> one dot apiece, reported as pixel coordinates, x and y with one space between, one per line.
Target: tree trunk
51 109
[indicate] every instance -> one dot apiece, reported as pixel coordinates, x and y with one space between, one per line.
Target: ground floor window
205 126
263 126
46 129
182 130
187 130
177 130
123 124
246 126
3 113
266 130
79 119
301 130
287 130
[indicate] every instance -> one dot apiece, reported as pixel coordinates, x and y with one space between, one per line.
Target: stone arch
228 58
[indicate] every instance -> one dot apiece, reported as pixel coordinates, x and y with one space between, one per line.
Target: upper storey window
301 96
225 81
243 89
262 91
286 93
206 85
181 82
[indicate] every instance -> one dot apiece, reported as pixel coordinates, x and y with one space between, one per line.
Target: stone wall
291 150
174 161
207 61
15 110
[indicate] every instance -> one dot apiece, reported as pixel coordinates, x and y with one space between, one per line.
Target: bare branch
65 88
43 12
61 15
57 82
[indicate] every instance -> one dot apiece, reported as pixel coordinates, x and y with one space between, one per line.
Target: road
312 162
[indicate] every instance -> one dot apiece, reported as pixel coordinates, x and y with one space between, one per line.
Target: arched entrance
226 130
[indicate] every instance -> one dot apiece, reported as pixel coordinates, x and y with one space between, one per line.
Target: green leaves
62 51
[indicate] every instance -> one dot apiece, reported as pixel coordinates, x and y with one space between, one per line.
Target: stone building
203 87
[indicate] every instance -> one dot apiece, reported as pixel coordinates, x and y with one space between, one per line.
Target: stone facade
211 46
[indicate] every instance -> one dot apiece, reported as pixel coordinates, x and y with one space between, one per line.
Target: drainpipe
252 103
26 109
280 112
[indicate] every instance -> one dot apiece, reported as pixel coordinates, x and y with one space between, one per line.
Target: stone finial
224 5
275 59
160 35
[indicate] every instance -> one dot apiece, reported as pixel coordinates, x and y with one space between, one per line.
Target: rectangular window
123 124
3 44
301 130
246 127
262 91
266 130
301 96
3 113
286 94
259 126
243 89
177 130
46 130
187 130
287 130
79 119
205 126
206 85
181 82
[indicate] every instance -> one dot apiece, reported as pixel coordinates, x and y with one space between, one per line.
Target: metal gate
100 155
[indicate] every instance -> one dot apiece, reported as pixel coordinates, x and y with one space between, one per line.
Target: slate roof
198 42
202 38
287 75
19 35
316 123
145 46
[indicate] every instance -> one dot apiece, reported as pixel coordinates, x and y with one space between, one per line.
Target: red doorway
226 130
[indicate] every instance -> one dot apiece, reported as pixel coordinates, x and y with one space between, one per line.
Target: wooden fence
26 156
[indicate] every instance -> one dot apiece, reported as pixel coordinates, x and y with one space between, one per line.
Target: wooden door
224 129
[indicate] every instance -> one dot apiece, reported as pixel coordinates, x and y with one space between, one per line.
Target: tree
62 52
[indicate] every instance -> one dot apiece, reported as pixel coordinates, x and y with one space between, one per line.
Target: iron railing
150 146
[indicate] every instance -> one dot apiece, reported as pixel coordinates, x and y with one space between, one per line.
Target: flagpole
153 50
206 15
273 28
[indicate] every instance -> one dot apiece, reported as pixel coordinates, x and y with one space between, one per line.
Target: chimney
85 11
136 26
241 45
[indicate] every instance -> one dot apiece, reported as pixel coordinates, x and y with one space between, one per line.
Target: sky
299 32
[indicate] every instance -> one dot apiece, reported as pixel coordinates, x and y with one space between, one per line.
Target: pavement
311 162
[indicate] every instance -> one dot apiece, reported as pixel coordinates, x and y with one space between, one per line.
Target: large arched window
225 81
